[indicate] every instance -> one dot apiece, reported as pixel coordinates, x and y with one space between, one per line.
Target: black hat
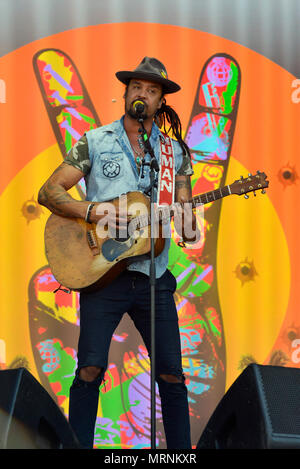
153 70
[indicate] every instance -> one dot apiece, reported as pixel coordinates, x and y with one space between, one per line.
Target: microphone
139 107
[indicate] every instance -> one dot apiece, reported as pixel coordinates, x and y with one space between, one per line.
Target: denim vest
114 172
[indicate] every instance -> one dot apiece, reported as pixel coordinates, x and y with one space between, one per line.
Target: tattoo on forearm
182 184
58 194
52 195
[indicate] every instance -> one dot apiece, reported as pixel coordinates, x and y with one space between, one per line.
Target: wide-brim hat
150 69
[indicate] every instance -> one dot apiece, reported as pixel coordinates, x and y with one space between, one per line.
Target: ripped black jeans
100 314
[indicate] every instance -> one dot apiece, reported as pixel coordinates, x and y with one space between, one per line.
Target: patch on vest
111 169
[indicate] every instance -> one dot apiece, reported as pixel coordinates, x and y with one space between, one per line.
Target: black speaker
29 417
261 410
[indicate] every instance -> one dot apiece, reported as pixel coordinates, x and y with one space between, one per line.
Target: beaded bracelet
88 212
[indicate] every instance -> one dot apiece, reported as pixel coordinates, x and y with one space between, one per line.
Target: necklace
138 158
139 154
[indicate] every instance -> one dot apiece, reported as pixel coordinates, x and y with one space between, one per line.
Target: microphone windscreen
139 107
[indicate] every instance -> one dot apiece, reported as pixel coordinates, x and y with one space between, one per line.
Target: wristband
88 212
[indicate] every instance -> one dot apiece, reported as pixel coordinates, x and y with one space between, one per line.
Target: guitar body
78 264
82 256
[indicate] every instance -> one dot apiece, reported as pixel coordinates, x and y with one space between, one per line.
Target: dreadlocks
166 115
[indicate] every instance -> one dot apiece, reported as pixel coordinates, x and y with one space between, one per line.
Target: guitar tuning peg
254 193
263 191
246 196
249 174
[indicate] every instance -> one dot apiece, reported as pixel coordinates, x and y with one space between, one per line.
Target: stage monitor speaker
261 410
29 417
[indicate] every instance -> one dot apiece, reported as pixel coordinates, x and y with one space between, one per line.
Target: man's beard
134 115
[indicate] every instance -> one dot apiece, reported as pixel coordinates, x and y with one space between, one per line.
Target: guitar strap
166 177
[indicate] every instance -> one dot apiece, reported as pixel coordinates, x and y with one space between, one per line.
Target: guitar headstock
251 183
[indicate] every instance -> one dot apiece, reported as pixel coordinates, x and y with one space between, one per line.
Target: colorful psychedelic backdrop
237 292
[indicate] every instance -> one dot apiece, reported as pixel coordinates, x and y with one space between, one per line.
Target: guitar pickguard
112 248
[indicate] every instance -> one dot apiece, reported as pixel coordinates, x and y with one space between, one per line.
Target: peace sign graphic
237 292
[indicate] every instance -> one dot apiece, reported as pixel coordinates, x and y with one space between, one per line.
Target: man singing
112 160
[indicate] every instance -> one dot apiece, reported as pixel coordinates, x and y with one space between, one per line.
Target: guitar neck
210 196
166 212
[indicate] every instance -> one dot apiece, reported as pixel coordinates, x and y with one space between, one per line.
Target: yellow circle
252 311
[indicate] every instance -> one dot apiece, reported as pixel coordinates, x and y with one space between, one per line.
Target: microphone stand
154 168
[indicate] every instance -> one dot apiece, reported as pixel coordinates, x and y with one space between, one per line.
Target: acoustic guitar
84 257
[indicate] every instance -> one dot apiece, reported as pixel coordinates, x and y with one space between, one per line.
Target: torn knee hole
171 378
90 373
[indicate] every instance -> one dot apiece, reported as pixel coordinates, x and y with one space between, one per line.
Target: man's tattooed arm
183 183
53 194
183 189
185 221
